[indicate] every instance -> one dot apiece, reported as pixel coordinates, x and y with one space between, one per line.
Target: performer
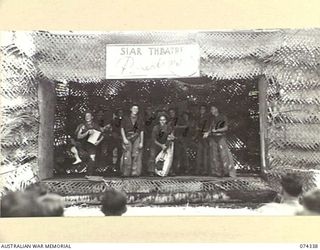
150 120
104 121
116 139
75 148
161 141
181 127
220 158
132 135
186 135
86 133
202 126
179 154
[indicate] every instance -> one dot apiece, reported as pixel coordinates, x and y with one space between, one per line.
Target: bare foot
77 162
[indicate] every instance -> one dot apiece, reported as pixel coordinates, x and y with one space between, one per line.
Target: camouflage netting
19 113
171 190
293 72
288 59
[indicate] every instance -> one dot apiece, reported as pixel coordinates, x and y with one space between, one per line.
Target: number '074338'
306 246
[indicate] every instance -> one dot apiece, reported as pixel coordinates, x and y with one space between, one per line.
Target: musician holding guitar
161 152
132 128
220 159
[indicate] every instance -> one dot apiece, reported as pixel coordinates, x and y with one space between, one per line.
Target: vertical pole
47 104
262 86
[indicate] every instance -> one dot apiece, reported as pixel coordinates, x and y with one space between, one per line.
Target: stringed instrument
220 124
164 159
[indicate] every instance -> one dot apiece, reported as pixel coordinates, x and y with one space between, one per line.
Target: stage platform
164 190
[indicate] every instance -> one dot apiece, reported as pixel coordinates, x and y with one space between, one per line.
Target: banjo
164 159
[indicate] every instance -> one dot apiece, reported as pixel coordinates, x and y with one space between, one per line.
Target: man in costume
202 126
149 123
116 140
83 132
132 128
160 142
220 158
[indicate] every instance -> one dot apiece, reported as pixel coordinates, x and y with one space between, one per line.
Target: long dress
220 158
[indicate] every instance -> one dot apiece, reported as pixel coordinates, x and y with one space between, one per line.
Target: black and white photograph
160 123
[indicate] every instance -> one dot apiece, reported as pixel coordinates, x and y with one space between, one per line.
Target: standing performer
181 129
220 158
89 133
162 141
104 121
180 155
116 139
202 126
132 135
186 135
149 122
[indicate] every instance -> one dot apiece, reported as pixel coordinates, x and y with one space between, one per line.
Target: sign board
152 61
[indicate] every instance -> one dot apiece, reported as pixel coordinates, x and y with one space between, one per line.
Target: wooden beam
47 104
262 85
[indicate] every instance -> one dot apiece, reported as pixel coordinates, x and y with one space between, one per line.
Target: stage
179 190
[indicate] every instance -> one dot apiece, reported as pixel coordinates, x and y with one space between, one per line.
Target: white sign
152 61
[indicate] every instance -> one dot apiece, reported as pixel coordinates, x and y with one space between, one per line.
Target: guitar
219 125
164 159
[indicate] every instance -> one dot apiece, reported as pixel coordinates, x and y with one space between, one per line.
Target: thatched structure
287 62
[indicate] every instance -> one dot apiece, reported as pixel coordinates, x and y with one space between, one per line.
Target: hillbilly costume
220 158
202 126
161 159
85 133
131 160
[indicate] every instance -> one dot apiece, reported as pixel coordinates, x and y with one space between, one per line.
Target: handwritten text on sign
152 61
